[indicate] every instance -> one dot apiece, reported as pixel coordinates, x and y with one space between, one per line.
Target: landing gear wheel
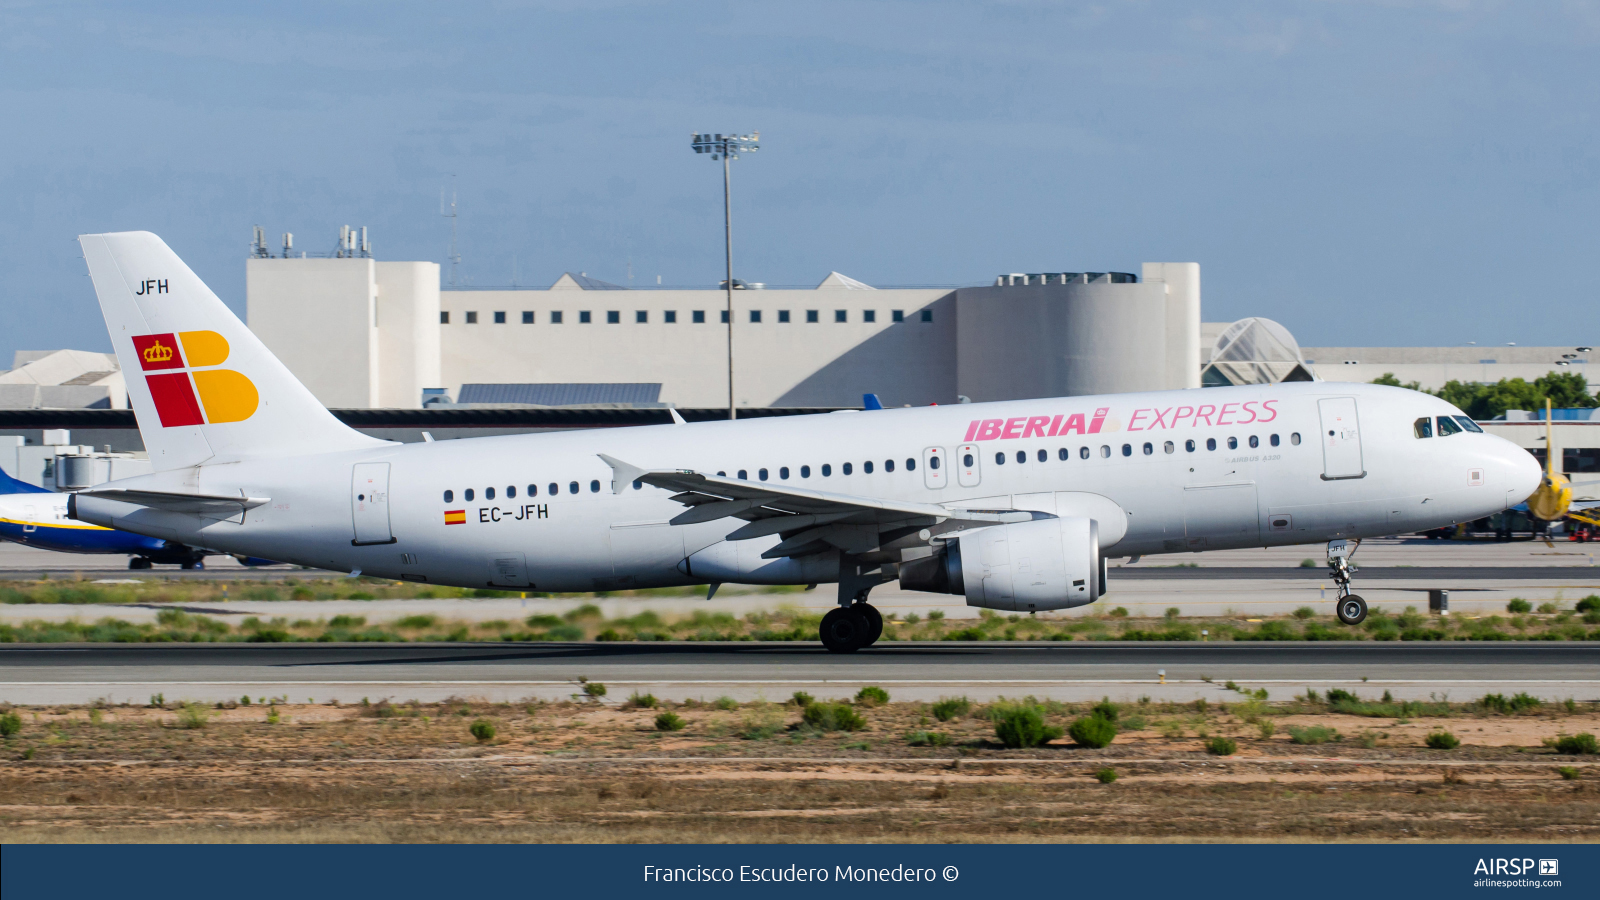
845 630
139 562
874 622
1352 610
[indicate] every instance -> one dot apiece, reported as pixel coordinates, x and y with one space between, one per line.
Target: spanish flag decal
455 517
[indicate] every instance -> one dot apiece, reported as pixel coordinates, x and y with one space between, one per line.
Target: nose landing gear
1351 609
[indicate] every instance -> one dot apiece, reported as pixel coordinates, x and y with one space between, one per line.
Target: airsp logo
1549 867
1516 867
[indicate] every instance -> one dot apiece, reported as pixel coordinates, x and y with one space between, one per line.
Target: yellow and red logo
455 517
224 395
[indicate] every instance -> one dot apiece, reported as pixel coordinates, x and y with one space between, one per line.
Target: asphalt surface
130 673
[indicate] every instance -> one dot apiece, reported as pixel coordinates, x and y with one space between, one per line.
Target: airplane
1016 505
37 517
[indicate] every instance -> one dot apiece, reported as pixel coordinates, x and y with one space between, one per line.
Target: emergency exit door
1341 439
369 503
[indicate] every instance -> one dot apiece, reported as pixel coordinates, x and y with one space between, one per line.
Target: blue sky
1405 173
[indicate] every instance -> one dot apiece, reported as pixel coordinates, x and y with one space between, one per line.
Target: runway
42 674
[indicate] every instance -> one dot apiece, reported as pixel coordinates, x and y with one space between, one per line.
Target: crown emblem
156 352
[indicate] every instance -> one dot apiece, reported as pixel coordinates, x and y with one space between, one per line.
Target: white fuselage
537 511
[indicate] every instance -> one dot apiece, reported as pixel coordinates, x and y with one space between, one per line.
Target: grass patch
827 717
1106 775
1581 744
1312 734
1441 740
670 721
1022 724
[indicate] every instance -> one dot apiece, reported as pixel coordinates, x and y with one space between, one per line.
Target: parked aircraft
38 518
1015 505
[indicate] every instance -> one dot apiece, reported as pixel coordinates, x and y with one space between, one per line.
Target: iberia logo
455 517
224 395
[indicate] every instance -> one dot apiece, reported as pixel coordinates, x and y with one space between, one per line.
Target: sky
1367 173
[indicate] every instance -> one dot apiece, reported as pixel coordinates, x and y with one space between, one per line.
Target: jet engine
1019 567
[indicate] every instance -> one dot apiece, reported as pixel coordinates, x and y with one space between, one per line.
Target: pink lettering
1250 411
1036 426
1074 424
1098 420
1183 412
1225 412
1135 420
1204 412
1013 427
1055 427
1267 405
1159 422
971 430
989 430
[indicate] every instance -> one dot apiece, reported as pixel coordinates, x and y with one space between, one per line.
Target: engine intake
1019 567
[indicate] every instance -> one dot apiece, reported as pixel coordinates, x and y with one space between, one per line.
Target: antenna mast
454 256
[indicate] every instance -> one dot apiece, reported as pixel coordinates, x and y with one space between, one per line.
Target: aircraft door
934 469
369 503
1341 439
967 461
30 517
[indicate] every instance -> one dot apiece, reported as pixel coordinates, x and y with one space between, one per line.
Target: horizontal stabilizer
194 504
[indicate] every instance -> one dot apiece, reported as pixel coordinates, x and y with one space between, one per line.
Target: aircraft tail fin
9 485
201 384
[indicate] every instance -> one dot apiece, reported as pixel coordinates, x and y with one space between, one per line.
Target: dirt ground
591 772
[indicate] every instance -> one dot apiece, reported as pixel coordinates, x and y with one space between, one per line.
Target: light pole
727 147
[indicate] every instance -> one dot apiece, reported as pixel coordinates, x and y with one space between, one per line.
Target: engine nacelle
1020 567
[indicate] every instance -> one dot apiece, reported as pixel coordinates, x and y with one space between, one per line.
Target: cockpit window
1448 426
1468 424
1423 427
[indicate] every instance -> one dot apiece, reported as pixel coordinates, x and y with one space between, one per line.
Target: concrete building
63 379
367 334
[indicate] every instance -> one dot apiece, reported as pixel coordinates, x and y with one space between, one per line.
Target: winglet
622 474
676 419
871 401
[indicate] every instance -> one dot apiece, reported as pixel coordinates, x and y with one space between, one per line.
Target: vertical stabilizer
200 382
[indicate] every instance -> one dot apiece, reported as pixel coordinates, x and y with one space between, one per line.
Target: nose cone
1521 472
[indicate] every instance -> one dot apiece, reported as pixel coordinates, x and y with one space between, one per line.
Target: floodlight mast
727 147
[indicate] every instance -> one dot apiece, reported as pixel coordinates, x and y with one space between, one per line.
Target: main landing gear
1352 610
855 623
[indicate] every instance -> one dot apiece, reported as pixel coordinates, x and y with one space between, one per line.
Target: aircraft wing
170 501
806 519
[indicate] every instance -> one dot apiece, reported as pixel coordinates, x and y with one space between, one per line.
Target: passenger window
1127 449
449 496
637 484
572 487
533 490
488 493
1448 426
1044 456
933 462
1105 451
846 469
744 475
1255 441
911 463
1233 443
1168 447
1083 452
783 473
511 492
1063 454
1468 424
1148 448
1294 438
888 465
554 489
805 471
867 467
999 459
1022 457
826 470
594 487
761 474
1423 427
1188 446
1211 443
967 460
468 495
1273 440
722 474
